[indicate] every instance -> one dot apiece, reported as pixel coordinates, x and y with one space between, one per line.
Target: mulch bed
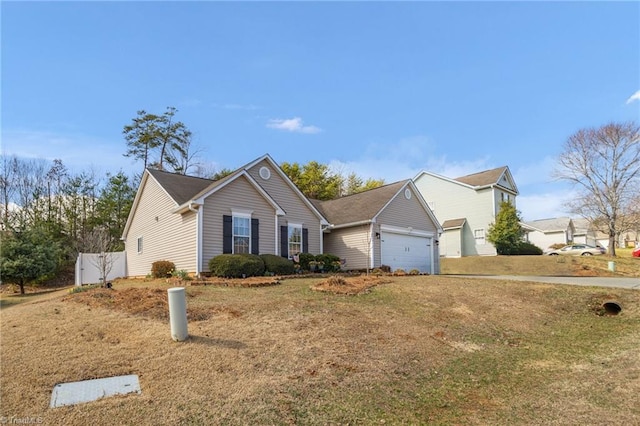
147 302
349 285
235 282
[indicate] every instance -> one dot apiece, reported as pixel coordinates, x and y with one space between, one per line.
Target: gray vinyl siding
295 208
241 195
405 213
171 237
351 244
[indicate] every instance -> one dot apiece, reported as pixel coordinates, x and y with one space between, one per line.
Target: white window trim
483 238
242 213
139 244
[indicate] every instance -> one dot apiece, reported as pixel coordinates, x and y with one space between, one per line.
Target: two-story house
466 206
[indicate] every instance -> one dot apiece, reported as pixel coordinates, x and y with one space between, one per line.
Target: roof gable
365 206
311 206
228 180
181 188
500 176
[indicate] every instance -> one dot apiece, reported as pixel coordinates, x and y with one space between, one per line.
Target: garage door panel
406 251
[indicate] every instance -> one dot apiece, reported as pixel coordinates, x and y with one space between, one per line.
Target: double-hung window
479 236
295 239
241 234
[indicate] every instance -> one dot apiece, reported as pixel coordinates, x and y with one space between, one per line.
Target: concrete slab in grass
90 390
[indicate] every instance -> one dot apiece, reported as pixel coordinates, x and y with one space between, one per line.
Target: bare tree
7 190
604 164
98 241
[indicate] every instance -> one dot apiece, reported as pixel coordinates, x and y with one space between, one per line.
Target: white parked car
577 250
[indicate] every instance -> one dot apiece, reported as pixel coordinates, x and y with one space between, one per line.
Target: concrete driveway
613 282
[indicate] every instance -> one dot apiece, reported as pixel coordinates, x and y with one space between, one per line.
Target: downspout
198 237
371 250
276 248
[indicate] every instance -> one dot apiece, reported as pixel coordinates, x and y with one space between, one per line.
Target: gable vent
265 173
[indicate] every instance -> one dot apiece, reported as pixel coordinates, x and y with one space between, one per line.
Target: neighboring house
584 232
466 207
628 239
391 225
189 220
546 232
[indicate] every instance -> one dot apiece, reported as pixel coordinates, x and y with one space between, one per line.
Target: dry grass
585 266
415 350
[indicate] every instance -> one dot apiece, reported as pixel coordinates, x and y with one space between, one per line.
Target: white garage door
406 252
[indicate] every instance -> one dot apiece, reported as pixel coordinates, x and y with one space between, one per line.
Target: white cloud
543 205
294 125
634 97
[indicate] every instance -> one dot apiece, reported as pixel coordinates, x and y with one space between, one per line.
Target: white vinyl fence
89 267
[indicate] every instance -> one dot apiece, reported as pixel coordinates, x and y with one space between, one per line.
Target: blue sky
378 88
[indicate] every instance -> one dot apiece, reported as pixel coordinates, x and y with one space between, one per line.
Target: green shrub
304 259
330 262
182 274
414 272
162 268
236 265
526 249
82 289
277 265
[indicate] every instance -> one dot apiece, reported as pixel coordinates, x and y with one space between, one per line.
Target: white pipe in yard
178 313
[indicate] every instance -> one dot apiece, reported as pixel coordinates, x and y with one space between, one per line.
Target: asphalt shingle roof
487 177
550 225
181 188
358 207
453 223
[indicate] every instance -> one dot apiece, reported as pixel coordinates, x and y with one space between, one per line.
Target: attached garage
390 225
403 251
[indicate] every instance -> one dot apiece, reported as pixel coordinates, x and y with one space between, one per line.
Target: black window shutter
255 237
305 240
227 234
284 241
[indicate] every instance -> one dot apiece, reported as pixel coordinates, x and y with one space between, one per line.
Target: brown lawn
409 350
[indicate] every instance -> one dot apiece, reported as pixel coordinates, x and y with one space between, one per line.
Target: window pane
241 245
295 240
241 235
